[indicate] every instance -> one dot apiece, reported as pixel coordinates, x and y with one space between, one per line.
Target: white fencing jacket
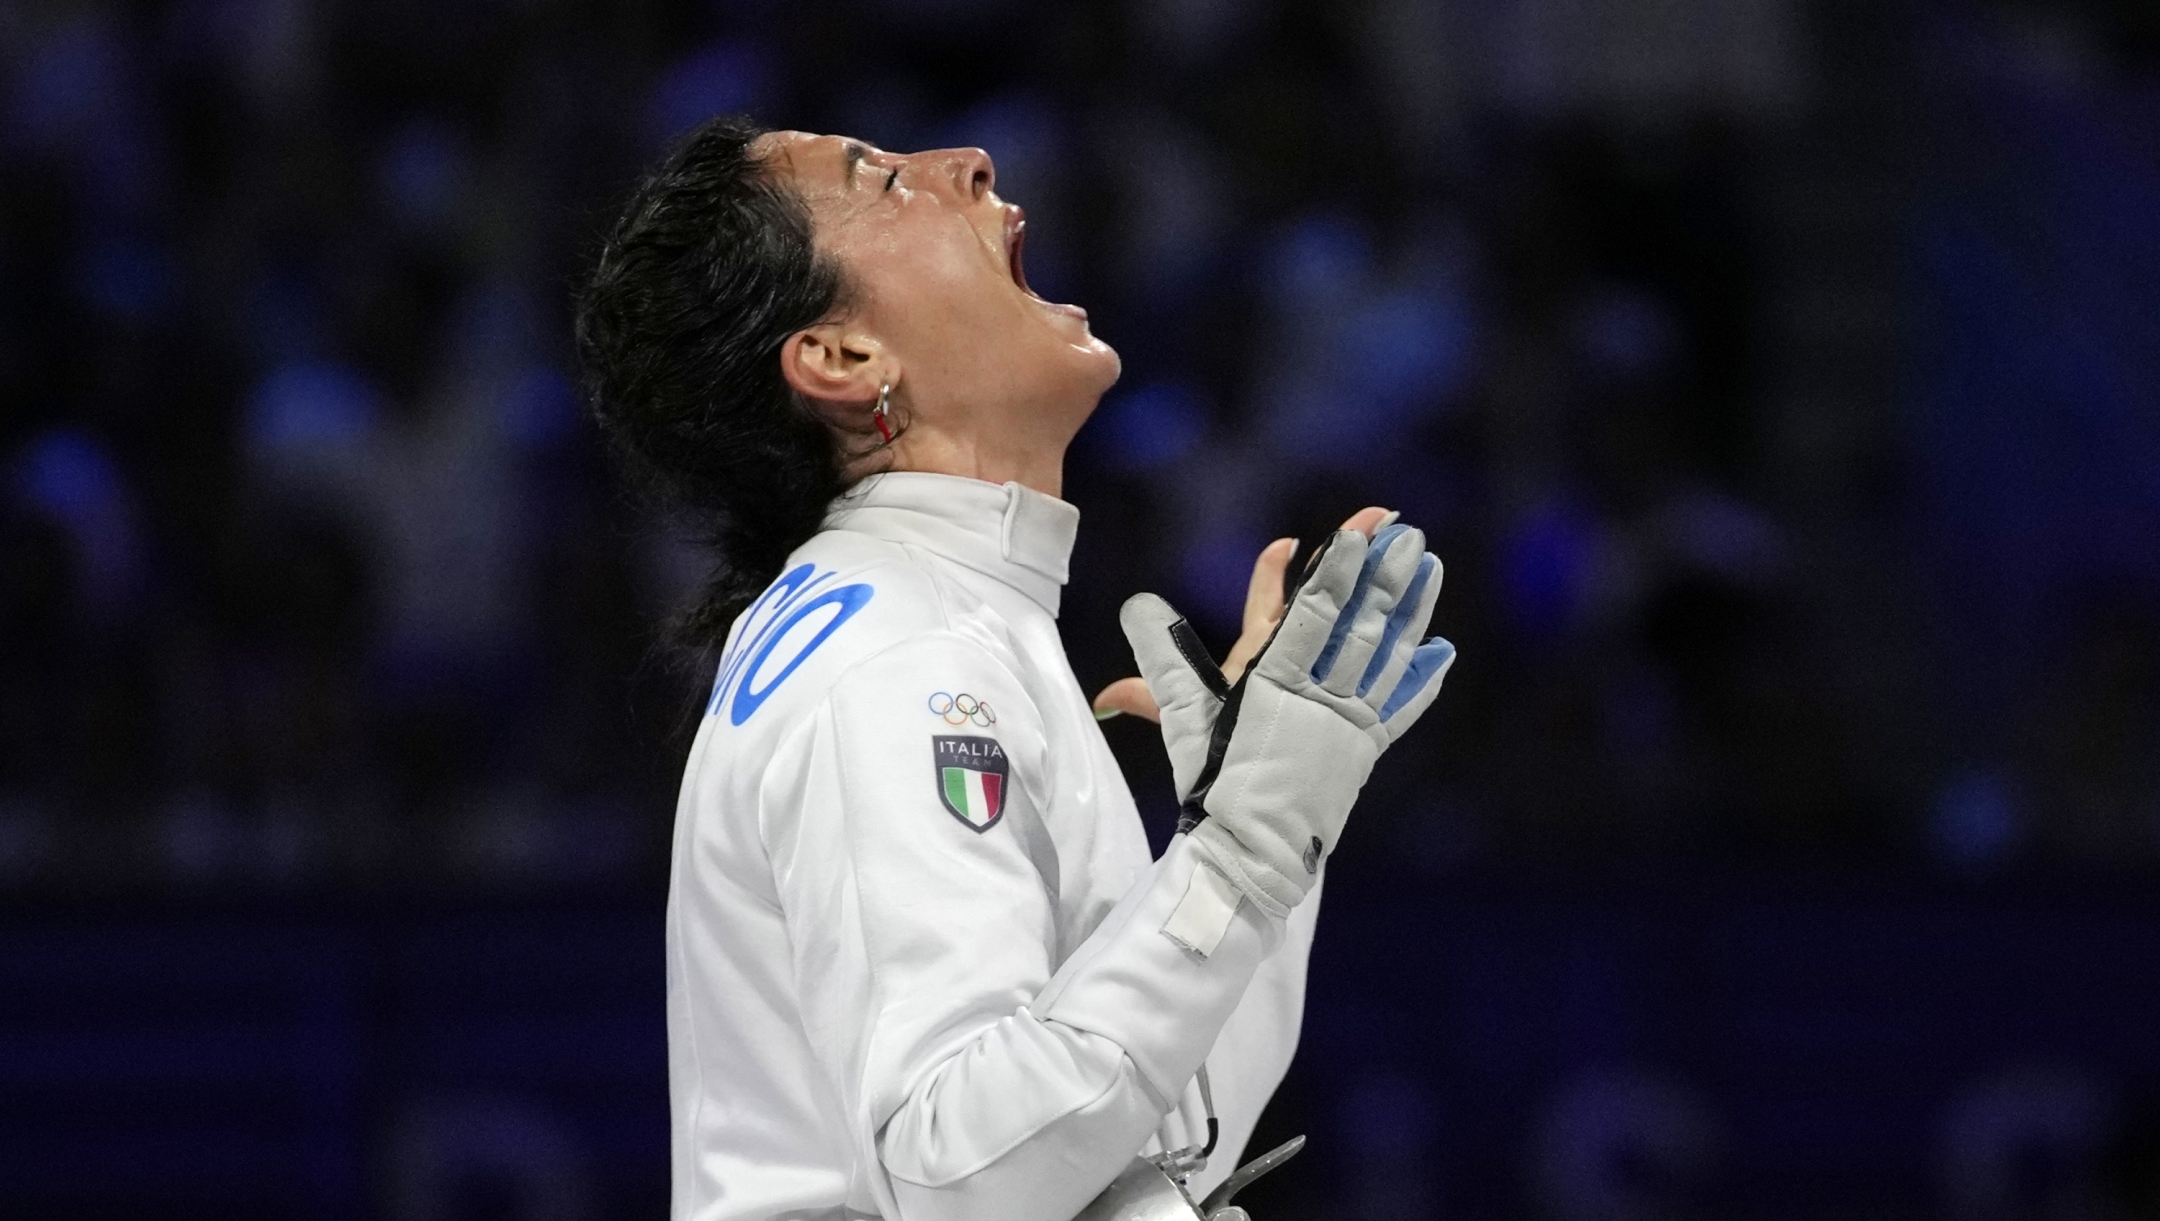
920 965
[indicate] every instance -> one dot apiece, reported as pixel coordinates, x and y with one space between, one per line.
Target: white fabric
1186 704
1204 915
877 1008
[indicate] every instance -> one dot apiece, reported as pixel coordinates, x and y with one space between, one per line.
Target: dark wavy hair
706 273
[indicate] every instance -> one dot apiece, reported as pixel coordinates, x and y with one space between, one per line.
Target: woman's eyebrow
855 154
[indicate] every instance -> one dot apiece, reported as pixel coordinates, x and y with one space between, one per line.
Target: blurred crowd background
1779 380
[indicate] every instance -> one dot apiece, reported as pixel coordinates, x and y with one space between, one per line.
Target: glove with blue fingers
1268 768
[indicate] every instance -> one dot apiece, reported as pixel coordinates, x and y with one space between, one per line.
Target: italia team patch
971 774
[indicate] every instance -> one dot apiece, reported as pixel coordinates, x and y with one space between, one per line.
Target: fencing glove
1268 768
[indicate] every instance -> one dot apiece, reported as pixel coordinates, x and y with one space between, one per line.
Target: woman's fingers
1127 695
1263 605
1366 520
1264 593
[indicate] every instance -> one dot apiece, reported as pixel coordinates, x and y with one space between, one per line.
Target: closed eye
892 177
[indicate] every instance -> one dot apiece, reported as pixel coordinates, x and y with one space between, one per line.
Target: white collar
1011 533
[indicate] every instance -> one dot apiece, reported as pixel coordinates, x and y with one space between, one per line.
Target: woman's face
932 257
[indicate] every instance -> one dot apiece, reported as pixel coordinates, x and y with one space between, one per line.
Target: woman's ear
836 370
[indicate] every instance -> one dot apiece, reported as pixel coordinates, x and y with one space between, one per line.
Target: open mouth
1015 242
1016 264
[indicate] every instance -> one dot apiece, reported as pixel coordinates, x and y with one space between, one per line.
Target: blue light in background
311 406
67 474
1410 345
1716 533
420 170
1151 427
1626 333
1392 364
1388 1124
1179 224
492 329
127 278
1217 569
75 78
1389 1115
284 319
1974 820
1545 569
541 408
1364 358
1317 263
725 78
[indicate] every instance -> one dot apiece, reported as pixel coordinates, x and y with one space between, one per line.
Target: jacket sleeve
982 1079
1254 1050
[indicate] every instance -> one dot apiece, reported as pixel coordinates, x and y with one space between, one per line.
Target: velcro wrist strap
1268 889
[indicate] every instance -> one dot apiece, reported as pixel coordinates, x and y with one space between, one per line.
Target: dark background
1779 379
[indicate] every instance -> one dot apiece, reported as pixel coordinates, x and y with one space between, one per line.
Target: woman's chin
1069 324
1102 361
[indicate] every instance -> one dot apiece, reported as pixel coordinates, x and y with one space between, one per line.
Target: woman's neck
1034 463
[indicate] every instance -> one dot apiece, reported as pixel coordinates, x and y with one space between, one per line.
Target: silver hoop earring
880 414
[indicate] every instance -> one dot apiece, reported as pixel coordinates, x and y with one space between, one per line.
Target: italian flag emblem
971 776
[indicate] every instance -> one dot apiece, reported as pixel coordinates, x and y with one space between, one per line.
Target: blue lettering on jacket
800 593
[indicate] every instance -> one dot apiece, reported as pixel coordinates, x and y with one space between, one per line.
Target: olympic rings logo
962 708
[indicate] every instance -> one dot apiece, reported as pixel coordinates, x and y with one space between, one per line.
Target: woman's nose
973 173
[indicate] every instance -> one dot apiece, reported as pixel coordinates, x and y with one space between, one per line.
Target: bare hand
1264 608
